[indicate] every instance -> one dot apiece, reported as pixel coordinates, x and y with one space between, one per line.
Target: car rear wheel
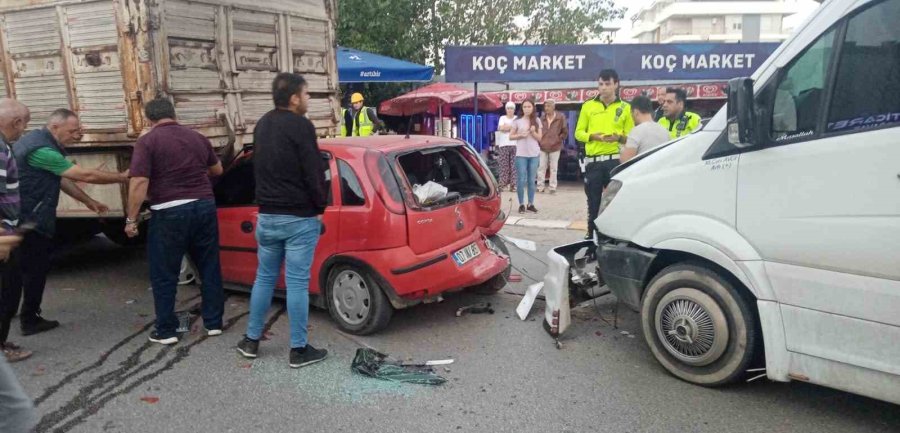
356 301
497 282
698 325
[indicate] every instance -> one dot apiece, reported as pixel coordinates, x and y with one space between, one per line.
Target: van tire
499 281
718 351
355 300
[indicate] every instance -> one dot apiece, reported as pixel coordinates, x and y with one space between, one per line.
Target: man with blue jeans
172 165
290 191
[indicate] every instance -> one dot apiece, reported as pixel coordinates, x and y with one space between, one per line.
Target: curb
547 224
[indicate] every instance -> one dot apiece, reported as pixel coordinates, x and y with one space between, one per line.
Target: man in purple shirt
171 166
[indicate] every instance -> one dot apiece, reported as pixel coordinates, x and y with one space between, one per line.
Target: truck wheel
356 302
497 282
698 326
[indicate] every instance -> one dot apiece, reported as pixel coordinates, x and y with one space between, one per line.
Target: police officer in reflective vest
603 125
676 120
359 120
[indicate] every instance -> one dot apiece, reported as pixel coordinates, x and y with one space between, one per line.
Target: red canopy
430 98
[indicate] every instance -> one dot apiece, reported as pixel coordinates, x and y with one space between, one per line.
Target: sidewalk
567 209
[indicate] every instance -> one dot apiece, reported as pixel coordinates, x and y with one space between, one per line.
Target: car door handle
246 227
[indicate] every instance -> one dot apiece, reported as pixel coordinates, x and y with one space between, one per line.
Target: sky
624 35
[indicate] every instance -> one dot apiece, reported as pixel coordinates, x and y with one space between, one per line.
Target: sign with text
633 62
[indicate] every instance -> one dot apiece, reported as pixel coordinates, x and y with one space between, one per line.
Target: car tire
699 326
499 281
356 301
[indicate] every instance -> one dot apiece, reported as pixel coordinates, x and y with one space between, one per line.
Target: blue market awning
356 66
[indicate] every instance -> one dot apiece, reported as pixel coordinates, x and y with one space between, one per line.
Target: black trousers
596 178
10 292
36 250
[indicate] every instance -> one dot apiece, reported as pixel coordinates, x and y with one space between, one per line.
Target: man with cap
359 120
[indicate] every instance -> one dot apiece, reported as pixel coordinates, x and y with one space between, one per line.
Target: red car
381 248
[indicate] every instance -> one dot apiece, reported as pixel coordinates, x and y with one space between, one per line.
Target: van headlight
609 194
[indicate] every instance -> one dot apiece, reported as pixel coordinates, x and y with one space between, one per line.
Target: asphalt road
98 373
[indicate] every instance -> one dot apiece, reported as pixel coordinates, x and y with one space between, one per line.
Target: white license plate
466 254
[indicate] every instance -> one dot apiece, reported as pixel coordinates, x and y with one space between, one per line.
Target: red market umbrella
433 98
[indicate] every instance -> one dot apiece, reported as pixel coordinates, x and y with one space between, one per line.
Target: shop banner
633 62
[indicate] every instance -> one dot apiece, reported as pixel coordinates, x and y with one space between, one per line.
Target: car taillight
384 182
478 162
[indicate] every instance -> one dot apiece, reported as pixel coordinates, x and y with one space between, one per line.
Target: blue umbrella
356 66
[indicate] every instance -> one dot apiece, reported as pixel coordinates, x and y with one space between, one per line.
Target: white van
772 234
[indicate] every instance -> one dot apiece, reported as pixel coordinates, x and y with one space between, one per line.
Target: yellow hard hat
356 97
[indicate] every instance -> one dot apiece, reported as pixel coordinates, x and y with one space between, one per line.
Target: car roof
386 143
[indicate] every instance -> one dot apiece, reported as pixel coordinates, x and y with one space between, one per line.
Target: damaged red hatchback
381 248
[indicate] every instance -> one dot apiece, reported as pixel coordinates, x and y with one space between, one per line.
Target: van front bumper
624 269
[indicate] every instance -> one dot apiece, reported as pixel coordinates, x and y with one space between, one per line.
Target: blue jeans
191 229
290 240
526 173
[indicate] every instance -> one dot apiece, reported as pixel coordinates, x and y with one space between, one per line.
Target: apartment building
669 21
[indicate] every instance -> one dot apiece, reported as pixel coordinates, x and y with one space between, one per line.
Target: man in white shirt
646 134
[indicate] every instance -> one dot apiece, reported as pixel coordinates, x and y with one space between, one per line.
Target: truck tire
356 302
497 282
698 325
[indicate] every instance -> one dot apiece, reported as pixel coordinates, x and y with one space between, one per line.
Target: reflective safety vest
363 125
598 118
684 125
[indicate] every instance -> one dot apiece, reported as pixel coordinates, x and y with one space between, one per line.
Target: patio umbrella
433 98
356 66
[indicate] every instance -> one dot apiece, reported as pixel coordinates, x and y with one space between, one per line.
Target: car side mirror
742 127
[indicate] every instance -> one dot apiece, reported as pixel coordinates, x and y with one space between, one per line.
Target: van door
821 199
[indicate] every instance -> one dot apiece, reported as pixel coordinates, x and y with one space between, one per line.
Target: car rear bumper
412 278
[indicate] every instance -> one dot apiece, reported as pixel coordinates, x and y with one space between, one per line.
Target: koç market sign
700 61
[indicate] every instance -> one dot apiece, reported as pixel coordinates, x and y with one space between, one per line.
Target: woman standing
507 154
527 133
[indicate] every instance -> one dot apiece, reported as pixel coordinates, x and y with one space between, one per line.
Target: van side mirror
742 127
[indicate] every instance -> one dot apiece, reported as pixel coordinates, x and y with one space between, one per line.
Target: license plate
466 254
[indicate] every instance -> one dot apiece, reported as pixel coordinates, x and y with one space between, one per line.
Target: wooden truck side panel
214 58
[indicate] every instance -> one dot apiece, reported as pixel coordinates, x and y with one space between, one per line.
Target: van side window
801 91
351 191
867 90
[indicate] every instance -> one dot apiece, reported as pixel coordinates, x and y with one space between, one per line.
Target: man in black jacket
290 191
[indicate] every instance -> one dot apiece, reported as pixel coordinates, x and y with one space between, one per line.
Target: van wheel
698 326
497 282
356 302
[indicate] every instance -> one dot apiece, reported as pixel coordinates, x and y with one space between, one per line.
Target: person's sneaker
540 190
154 337
248 348
306 356
213 332
521 208
38 326
14 353
531 208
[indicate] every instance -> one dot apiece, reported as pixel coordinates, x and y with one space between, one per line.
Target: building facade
670 21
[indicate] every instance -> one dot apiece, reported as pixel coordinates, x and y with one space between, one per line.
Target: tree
418 30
